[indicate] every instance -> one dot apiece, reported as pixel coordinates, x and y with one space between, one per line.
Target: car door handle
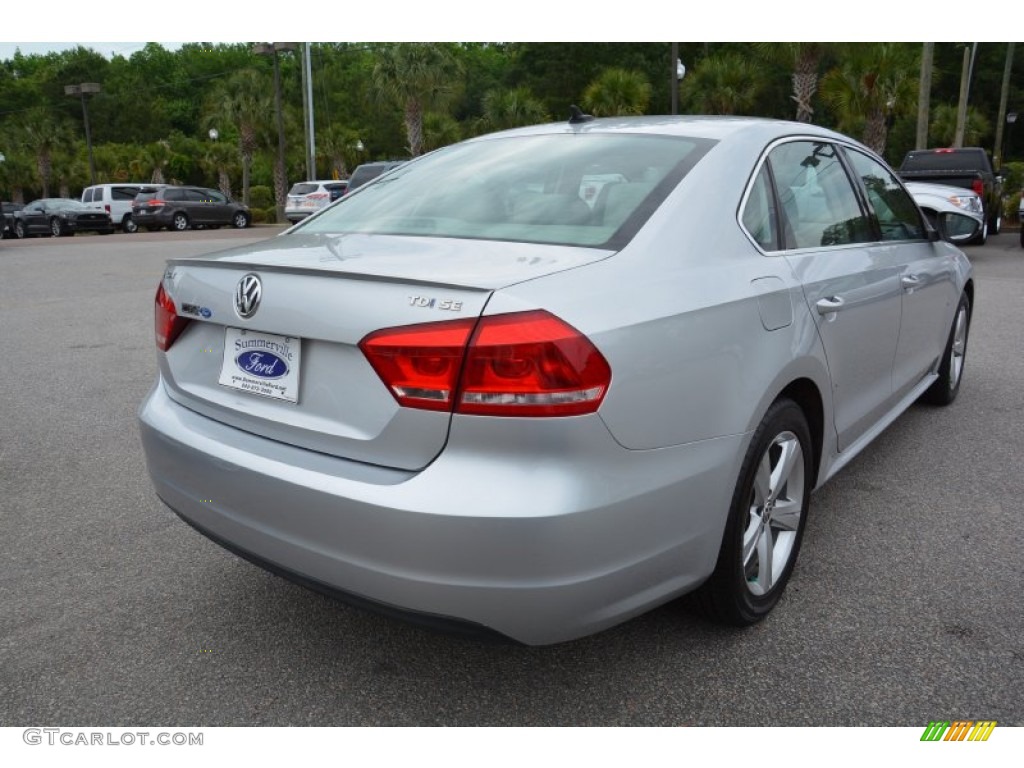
829 304
910 281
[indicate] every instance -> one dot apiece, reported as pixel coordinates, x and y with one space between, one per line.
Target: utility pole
924 95
81 90
1003 97
965 89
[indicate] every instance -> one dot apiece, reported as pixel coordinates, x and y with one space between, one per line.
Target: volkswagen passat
481 391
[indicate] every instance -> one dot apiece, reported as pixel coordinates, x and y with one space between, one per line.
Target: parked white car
116 199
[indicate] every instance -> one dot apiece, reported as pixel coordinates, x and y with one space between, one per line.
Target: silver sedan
539 382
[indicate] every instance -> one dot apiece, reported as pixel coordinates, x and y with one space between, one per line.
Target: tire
57 228
128 225
179 223
19 230
240 220
982 236
766 521
996 225
951 370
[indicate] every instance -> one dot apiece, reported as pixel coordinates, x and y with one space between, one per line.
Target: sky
533 20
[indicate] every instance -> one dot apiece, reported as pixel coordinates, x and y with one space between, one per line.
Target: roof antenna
576 115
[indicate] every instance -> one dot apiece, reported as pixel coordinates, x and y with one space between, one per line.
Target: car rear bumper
552 534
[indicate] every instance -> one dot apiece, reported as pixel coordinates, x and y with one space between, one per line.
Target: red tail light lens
978 186
520 364
420 364
168 324
154 203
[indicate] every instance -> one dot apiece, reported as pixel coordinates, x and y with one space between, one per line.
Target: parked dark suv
180 208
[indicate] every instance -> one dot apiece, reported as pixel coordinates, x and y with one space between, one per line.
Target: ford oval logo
265 365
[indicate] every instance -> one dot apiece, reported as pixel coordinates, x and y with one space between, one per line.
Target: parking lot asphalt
905 606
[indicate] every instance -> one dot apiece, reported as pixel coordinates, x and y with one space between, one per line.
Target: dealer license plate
261 363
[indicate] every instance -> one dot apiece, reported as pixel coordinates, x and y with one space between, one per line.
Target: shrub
261 197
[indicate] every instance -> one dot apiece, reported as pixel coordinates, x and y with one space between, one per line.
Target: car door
34 217
218 208
927 277
851 289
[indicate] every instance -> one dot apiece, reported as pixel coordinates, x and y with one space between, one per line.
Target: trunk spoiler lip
333 273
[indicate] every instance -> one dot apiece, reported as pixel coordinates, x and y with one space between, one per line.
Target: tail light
154 203
978 186
167 322
519 364
106 208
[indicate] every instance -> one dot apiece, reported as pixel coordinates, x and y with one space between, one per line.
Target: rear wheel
180 222
766 520
19 230
128 224
951 370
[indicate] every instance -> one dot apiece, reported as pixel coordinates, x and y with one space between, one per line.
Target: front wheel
240 220
951 370
766 520
180 222
56 227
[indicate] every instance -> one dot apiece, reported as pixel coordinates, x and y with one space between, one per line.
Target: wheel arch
805 393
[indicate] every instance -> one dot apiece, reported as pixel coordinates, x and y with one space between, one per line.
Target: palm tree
418 77
722 84
440 130
339 146
16 175
803 59
218 158
618 92
874 84
511 108
154 159
245 101
41 135
943 126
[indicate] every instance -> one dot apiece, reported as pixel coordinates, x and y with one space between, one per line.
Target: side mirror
958 228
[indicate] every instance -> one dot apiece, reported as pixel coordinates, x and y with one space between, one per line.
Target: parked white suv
308 197
116 199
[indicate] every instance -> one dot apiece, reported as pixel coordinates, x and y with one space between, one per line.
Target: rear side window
818 201
87 195
174 194
123 193
759 212
895 210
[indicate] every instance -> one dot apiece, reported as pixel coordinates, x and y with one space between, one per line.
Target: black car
181 208
7 218
60 217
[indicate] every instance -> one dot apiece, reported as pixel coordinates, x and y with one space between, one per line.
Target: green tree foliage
418 77
175 96
874 83
725 84
511 108
942 128
618 92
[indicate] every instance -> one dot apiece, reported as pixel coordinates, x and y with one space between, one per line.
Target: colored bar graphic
958 730
935 730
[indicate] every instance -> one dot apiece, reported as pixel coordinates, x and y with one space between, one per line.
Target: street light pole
81 90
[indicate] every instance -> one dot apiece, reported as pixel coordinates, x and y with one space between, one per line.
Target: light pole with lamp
81 90
280 176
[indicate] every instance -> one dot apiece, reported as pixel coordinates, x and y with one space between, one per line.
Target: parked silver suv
308 197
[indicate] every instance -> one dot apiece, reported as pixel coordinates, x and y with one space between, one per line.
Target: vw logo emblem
247 296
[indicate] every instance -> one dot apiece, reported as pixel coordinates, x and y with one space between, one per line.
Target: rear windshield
147 194
946 160
303 189
567 189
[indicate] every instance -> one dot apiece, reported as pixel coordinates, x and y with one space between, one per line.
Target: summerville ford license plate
261 363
